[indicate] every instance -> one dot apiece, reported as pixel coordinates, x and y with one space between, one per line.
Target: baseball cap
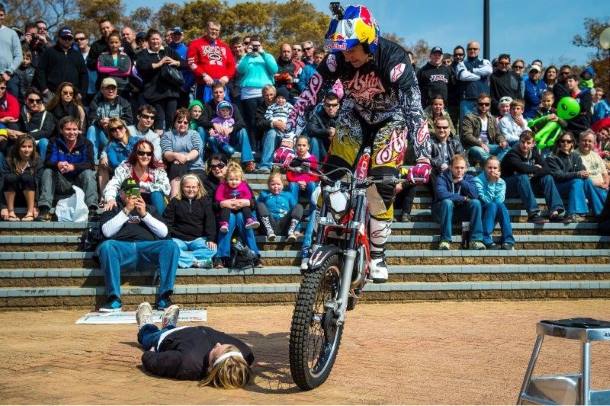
535 67
130 185
176 30
435 50
108 82
65 32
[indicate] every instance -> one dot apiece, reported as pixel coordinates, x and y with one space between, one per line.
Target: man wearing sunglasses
62 63
503 82
473 76
481 136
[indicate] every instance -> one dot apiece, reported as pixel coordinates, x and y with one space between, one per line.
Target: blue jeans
149 335
193 250
157 199
578 192
466 107
99 140
43 143
247 235
444 211
116 255
522 186
317 148
220 147
240 141
478 154
309 229
295 190
493 213
270 142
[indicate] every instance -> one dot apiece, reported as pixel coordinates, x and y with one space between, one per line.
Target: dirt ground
433 352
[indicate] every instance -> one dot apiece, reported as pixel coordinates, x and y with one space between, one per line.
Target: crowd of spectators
181 124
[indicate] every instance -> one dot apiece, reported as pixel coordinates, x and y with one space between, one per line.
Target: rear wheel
314 334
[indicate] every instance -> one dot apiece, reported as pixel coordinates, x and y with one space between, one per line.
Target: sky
534 29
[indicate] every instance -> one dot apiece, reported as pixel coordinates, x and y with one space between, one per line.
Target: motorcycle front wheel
314 333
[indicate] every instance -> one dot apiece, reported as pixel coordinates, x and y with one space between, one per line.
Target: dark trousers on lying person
116 255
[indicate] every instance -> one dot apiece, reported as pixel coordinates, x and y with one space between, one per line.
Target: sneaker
251 223
379 270
164 303
292 237
250 167
271 237
170 316
405 218
218 264
573 218
111 306
555 217
224 227
43 214
304 264
476 245
262 170
492 246
444 245
144 314
204 263
536 218
507 246
258 262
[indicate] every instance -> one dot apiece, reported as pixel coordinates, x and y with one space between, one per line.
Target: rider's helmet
351 27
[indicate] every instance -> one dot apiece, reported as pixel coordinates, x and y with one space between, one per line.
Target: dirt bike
337 272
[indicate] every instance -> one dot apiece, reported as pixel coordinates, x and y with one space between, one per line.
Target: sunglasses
518 67
67 38
217 166
35 101
484 104
331 104
182 122
67 93
147 116
472 49
566 141
80 39
144 153
458 55
111 87
442 128
565 73
112 129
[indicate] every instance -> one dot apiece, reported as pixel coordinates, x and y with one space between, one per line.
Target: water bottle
465 234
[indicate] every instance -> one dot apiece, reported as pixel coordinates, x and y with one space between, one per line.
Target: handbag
172 75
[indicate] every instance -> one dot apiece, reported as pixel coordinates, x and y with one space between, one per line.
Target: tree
600 59
53 12
141 19
90 12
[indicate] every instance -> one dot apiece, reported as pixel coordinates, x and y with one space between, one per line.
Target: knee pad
387 191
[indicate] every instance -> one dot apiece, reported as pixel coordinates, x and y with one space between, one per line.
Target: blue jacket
81 156
456 192
532 96
278 205
118 152
490 192
601 110
473 76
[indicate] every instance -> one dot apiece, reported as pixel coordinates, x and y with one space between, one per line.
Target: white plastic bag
72 208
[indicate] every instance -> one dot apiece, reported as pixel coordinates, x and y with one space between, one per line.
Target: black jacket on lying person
514 163
133 228
183 353
189 219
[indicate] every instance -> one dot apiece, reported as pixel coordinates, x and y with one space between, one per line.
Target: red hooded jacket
214 59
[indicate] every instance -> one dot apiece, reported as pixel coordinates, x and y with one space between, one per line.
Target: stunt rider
381 109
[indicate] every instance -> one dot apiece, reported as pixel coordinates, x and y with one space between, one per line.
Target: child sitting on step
302 182
278 210
235 187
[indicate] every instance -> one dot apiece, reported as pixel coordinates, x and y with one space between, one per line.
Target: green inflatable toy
567 109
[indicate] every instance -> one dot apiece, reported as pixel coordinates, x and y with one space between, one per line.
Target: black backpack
91 237
242 257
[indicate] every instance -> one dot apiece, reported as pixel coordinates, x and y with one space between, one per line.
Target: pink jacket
224 192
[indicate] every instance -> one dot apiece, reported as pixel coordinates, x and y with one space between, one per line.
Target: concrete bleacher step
57 259
249 294
70 243
94 277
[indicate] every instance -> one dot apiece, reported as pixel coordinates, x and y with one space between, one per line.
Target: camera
256 48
